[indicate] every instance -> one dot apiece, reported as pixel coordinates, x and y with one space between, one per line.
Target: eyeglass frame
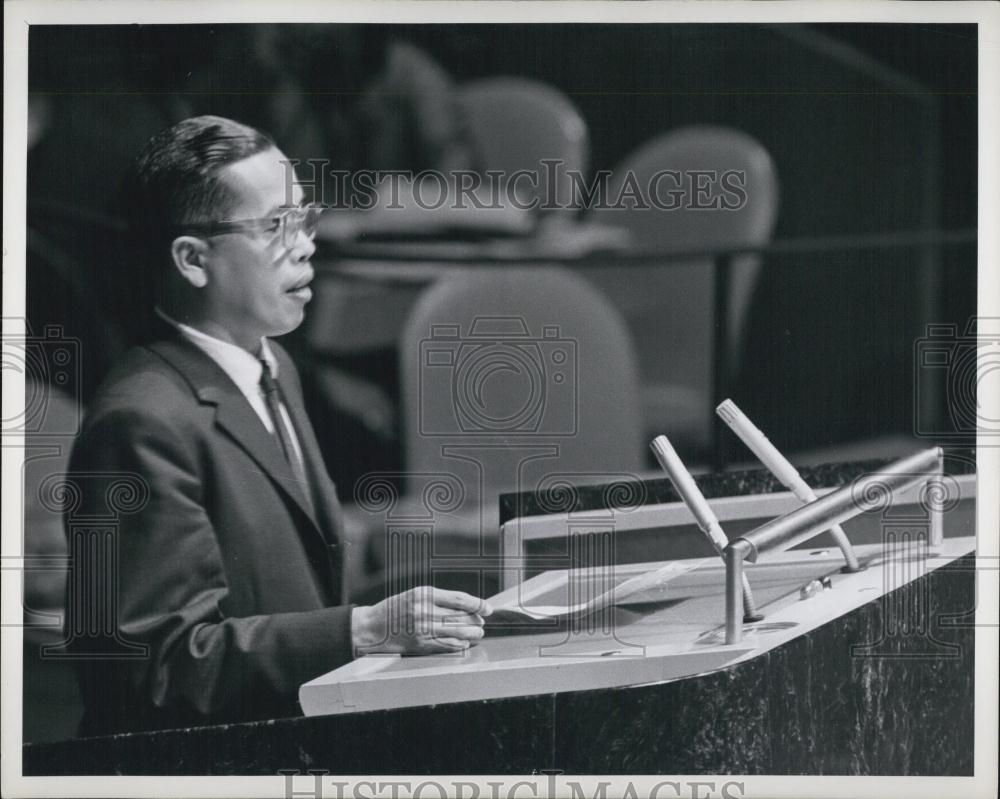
308 217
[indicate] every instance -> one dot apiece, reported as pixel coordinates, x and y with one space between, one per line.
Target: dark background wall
848 138
872 128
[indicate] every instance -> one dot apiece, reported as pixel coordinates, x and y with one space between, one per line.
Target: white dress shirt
244 370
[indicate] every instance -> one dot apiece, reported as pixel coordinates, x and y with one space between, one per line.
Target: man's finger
447 616
446 644
464 633
459 600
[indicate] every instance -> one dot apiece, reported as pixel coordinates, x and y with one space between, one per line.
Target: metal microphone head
727 411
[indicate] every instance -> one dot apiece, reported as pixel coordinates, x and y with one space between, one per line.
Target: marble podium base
867 694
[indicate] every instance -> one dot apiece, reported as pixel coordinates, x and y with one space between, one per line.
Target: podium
876 680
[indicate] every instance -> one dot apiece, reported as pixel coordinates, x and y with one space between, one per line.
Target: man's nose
304 247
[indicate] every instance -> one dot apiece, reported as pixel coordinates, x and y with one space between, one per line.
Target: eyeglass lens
299 220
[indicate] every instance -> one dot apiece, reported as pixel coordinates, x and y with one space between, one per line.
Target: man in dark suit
217 592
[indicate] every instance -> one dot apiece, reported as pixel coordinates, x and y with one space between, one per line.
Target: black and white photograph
501 400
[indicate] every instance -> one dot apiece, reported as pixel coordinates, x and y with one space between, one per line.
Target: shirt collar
243 368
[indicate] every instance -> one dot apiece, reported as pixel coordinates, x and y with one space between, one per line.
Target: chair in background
52 703
520 357
670 308
511 378
516 123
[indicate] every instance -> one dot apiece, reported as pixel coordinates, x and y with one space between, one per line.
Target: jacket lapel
311 454
234 415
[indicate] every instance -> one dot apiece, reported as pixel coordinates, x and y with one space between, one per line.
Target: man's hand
419 621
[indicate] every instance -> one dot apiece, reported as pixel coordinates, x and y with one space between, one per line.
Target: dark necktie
272 396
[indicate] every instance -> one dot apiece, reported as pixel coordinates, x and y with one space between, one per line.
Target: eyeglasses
288 225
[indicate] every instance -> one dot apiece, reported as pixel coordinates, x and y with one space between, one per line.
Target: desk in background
365 288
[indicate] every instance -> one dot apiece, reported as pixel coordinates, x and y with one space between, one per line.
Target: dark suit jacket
221 588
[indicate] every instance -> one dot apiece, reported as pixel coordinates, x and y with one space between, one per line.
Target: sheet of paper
518 610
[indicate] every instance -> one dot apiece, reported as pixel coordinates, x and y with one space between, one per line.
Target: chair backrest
510 375
669 309
516 123
52 703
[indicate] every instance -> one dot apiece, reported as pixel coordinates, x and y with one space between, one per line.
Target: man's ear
188 253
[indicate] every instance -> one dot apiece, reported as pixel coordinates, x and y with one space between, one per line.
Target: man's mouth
301 289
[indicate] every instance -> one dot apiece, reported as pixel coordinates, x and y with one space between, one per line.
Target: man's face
256 286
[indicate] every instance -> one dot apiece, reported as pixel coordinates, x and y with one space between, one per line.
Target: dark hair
174 181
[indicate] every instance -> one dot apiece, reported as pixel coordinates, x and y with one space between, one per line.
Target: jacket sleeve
170 579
